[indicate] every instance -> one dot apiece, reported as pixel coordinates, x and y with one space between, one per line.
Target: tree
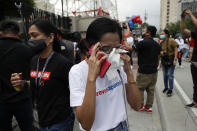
174 28
144 25
8 8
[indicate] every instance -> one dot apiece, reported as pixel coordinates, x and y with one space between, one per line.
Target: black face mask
37 45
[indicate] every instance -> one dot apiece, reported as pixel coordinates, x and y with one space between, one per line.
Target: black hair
166 32
152 30
9 27
83 46
47 28
101 26
76 37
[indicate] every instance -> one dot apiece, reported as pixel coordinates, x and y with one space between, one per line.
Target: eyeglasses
108 49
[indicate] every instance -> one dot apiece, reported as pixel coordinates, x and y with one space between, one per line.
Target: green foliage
174 28
144 25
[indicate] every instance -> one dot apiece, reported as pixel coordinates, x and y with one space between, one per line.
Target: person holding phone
99 102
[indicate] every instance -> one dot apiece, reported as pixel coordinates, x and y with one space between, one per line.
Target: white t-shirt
110 107
180 43
186 46
130 40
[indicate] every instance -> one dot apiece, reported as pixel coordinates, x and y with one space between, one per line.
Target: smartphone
104 65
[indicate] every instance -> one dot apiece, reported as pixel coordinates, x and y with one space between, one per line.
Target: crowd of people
65 77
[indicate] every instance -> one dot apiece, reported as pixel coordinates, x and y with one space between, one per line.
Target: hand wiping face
116 62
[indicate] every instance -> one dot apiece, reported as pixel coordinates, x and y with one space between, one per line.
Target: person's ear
51 38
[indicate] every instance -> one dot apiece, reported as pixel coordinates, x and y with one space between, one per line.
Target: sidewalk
143 121
174 116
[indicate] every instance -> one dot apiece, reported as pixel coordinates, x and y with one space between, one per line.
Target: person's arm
175 55
128 29
184 30
132 92
86 112
193 18
17 82
128 46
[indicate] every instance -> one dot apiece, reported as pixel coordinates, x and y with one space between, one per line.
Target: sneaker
149 110
195 106
181 66
169 93
142 109
191 105
165 89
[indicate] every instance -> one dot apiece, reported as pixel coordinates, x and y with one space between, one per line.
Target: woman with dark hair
100 102
49 80
83 49
168 60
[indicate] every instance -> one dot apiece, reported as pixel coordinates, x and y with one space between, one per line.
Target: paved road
184 78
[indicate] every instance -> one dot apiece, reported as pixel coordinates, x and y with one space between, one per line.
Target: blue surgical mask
162 36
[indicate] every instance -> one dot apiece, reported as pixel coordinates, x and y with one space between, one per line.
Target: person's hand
188 12
94 62
126 59
174 62
16 80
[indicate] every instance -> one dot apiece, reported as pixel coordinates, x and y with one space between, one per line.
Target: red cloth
192 43
122 42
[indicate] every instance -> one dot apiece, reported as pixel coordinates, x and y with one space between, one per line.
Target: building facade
45 5
168 12
186 4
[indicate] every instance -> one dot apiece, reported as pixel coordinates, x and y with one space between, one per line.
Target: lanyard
44 68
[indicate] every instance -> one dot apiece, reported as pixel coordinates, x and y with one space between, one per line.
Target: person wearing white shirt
100 102
180 42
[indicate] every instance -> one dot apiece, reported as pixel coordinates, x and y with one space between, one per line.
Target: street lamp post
62 8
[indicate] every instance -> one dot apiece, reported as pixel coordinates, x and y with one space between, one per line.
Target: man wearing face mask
148 59
168 60
14 57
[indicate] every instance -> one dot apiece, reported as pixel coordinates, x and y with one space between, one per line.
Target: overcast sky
127 8
138 7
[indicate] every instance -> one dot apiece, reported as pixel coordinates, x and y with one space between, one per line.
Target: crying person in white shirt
100 100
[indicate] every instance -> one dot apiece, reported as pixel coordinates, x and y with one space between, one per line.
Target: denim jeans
23 113
66 125
185 55
168 76
121 127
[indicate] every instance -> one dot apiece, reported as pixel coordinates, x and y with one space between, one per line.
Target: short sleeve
77 87
174 44
139 46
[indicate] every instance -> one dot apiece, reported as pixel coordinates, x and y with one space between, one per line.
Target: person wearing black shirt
148 58
49 80
187 32
14 57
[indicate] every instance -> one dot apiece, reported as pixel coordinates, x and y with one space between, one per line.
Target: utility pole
94 8
62 8
116 9
46 4
67 7
145 16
